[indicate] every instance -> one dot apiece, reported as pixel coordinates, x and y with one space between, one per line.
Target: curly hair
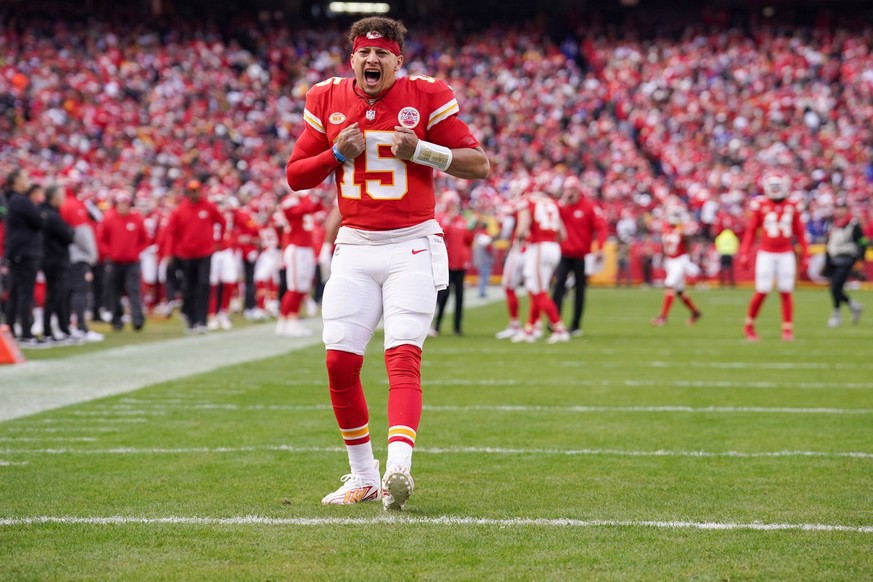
390 29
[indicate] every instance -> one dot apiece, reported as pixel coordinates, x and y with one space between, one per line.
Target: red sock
668 303
260 293
347 396
404 392
213 299
512 304
687 301
227 290
755 304
547 305
535 310
285 304
787 309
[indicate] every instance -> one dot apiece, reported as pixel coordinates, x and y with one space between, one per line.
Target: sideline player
779 222
381 136
540 227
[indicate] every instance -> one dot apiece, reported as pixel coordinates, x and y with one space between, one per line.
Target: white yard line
518 522
154 407
444 451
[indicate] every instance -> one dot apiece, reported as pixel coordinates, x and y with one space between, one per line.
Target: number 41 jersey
377 191
779 221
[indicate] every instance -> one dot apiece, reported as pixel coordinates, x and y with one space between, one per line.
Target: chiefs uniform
541 258
384 201
779 222
376 190
299 260
677 265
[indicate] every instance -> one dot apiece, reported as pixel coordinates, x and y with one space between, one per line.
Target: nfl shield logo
371 114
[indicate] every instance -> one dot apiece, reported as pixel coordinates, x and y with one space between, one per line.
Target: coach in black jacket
57 237
23 250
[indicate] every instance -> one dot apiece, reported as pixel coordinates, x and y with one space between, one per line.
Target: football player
778 219
541 229
299 260
677 263
381 136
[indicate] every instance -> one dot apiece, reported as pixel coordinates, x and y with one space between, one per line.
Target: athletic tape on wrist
433 155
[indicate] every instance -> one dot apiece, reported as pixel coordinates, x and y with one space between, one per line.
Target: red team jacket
458 239
377 191
122 237
191 229
581 220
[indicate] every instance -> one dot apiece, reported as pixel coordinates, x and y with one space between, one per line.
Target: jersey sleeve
444 127
311 159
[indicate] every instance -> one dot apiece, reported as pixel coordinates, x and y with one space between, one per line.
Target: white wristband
433 155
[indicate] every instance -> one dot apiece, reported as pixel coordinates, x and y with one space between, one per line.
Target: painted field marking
518 522
444 451
512 408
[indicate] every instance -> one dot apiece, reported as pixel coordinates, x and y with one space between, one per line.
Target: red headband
375 39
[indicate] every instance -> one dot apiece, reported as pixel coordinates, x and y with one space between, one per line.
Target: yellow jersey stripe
446 110
313 121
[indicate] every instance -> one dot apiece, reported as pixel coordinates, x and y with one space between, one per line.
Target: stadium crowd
132 113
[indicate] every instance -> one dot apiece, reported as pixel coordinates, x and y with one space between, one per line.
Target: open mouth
372 76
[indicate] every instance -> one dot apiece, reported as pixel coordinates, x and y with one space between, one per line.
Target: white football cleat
508 333
524 336
357 488
559 337
224 321
397 487
856 309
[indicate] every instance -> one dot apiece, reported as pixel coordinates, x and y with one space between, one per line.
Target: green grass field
631 453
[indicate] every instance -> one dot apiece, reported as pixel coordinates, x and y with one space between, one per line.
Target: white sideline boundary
445 451
40 385
519 522
152 407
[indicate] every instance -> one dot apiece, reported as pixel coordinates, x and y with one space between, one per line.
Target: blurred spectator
24 251
123 234
55 266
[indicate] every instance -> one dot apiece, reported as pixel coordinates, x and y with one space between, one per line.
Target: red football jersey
377 191
298 211
545 218
673 240
780 223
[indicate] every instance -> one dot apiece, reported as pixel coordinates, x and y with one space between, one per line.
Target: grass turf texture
500 439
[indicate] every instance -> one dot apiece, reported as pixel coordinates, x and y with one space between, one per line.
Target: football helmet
776 186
